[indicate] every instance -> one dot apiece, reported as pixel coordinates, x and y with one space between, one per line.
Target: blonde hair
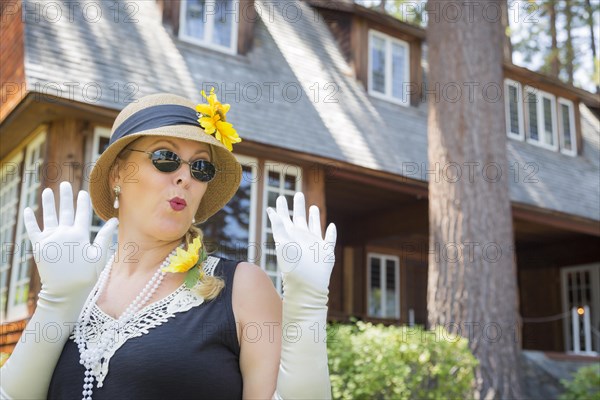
208 286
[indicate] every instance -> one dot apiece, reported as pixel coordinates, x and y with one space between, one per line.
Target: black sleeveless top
193 355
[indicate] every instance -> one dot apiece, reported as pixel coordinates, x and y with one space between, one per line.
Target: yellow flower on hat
213 120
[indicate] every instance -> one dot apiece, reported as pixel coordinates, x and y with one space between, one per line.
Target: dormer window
540 110
210 23
514 111
540 118
566 125
388 68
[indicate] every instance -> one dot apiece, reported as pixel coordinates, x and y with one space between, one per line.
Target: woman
158 319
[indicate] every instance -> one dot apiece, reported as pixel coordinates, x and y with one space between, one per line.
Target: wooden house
330 98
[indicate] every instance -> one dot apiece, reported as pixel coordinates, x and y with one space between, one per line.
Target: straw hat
164 115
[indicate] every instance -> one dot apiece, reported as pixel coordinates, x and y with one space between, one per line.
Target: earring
117 190
194 220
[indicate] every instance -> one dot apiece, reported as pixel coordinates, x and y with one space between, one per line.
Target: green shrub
369 361
584 386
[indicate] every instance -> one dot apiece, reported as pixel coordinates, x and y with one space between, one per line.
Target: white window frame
282 168
209 29
571 106
594 270
389 40
540 95
19 311
383 258
253 251
100 132
521 135
10 205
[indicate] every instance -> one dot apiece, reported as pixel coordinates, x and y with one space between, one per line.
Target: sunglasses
167 161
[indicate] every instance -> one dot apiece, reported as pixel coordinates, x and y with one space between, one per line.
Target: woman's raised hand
304 257
67 262
306 260
69 266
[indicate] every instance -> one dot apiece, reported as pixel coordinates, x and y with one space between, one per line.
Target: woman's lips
177 203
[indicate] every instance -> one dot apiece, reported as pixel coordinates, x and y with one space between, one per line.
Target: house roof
353 7
293 90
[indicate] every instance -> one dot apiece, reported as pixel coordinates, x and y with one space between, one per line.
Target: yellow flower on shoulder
185 260
214 120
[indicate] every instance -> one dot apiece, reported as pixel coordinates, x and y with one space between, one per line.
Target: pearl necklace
91 358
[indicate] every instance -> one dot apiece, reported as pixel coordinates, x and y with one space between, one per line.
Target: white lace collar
103 325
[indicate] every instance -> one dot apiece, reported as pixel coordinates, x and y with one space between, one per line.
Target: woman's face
146 198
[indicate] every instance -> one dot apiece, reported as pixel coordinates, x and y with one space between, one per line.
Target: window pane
223 25
289 182
513 104
272 199
271 262
390 274
273 179
194 19
226 233
390 285
278 183
548 121
566 127
375 273
375 307
532 113
290 201
9 201
378 64
103 144
398 61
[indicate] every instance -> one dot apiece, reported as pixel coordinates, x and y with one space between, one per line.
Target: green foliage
369 361
584 386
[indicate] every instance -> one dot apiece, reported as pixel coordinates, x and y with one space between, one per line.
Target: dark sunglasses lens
203 170
165 161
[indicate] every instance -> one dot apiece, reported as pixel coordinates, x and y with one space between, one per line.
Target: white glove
306 262
69 267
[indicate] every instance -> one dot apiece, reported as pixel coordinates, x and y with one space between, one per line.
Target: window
581 288
514 109
210 23
383 280
388 68
20 276
566 127
279 180
230 232
541 118
99 144
9 205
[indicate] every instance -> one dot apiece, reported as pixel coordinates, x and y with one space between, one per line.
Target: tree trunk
472 292
554 59
569 53
590 21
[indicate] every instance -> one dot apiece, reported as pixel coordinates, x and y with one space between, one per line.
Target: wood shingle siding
12 57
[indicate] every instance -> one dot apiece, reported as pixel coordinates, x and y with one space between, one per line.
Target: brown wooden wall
12 57
340 24
10 334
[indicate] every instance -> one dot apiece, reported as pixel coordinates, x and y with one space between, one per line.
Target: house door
581 288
